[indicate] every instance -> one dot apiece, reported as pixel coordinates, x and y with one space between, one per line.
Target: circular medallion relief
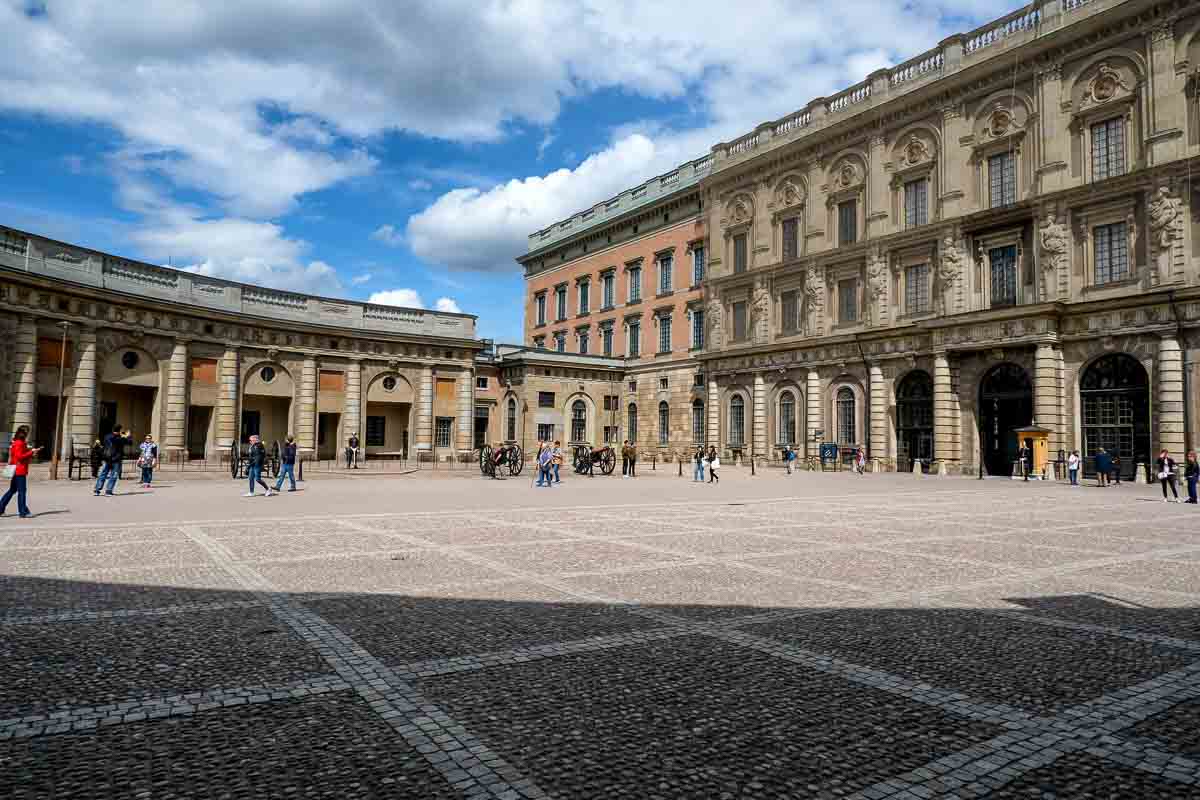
389 384
130 359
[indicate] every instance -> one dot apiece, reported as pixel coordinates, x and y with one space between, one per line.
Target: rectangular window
664 274
610 290
545 432
611 402
1003 261
560 297
635 284
697 265
1111 245
697 328
848 301
664 423
541 309
739 321
1002 180
664 334
376 431
610 434
481 383
606 339
664 383
791 238
635 339
848 222
545 399
443 432
698 380
585 296
539 342
584 338
560 342
789 303
739 253
916 203
916 289
482 416
1108 149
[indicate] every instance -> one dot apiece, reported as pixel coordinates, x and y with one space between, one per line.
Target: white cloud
388 235
408 298
420 185
359 280
543 145
448 305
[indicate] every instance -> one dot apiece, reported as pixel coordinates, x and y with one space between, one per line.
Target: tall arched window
631 427
512 419
664 423
845 417
698 421
737 421
579 421
787 418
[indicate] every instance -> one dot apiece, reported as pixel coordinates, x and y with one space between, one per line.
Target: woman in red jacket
19 456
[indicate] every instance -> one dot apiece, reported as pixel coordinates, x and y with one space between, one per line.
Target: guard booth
1037 440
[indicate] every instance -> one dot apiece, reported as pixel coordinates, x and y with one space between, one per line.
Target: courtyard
819 635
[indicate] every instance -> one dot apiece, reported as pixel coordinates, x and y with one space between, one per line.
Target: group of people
108 459
1108 472
549 461
700 459
256 459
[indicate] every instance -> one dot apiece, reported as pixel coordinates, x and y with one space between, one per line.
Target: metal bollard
681 467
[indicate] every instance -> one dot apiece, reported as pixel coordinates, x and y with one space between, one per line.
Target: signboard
829 453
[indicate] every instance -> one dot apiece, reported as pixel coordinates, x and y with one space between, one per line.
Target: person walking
352 451
1115 475
556 459
113 454
633 459
1191 473
714 464
1103 465
860 461
537 461
287 464
1166 476
147 460
789 456
17 472
545 459
625 459
698 465
254 466
1073 467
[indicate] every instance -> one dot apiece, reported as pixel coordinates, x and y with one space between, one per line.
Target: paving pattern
974 640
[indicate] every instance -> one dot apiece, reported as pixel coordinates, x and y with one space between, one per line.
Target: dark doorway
1115 394
251 424
481 426
914 421
45 426
199 418
1005 404
328 445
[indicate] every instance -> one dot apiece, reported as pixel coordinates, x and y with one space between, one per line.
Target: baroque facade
202 363
1000 232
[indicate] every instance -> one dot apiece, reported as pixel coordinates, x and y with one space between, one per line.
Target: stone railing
1071 5
742 145
669 178
702 164
994 32
796 121
916 67
849 97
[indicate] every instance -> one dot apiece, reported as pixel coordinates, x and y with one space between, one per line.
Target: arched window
698 421
632 426
737 421
1115 393
914 419
664 423
787 418
845 417
579 421
512 419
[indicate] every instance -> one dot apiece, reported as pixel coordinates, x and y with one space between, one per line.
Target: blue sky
396 152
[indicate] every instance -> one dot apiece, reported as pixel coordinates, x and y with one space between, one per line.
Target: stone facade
202 363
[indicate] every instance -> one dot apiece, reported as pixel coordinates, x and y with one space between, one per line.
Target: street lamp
58 417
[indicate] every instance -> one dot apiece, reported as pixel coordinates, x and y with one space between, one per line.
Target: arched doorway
1005 403
914 420
389 417
129 393
1114 392
579 422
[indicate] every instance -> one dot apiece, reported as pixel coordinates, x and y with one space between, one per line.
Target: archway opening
914 420
129 393
267 404
1114 392
1005 404
388 414
579 422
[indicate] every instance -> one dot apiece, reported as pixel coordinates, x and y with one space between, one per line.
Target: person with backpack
1103 467
789 459
113 455
714 464
545 460
254 466
147 460
698 465
287 464
17 472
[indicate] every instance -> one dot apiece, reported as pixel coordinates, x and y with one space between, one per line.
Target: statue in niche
760 309
1165 215
1055 244
714 319
876 288
949 268
814 290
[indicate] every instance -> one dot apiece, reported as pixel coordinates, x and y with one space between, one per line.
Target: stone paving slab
882 570
136 588
1084 776
398 571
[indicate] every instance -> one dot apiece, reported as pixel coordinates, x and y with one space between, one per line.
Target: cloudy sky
394 150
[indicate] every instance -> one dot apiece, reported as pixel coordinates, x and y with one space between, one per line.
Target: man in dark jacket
1103 467
113 454
352 451
287 468
254 467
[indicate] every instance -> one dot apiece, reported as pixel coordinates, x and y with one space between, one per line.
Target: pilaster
25 373
464 429
352 415
1048 394
1170 397
306 416
877 447
175 444
945 439
714 413
813 399
425 411
759 428
227 398
83 391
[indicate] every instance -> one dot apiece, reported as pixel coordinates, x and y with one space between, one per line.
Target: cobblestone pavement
822 637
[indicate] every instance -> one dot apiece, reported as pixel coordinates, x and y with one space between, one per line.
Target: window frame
664 423
699 267
664 332
1012 154
924 291
608 290
540 303
848 300
665 265
633 338
786 423
446 425
794 222
699 421
839 211
560 302
583 288
1118 122
916 209
736 432
740 257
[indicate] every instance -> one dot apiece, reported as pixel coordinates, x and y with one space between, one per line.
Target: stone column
306 415
466 406
352 414
1055 140
878 445
945 444
1048 394
227 398
175 443
714 413
425 411
759 447
1170 397
83 391
25 376
813 399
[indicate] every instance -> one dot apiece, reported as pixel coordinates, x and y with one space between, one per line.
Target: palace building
999 233
202 363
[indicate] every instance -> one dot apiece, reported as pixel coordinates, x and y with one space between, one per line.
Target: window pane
1004 275
697 421
916 209
376 431
631 426
664 334
583 344
739 253
789 303
1108 149
512 420
848 222
697 265
560 296
845 417
664 423
697 328
635 339
791 238
541 309
607 336
787 418
848 300
1002 179
545 432
578 421
585 288
560 342
737 421
739 321
443 431
1111 244
916 289
545 400
664 274
610 283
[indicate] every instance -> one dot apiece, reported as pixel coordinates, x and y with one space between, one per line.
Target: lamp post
58 417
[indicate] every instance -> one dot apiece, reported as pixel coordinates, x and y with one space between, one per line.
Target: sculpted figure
1165 215
876 285
949 268
714 322
1055 244
760 307
814 291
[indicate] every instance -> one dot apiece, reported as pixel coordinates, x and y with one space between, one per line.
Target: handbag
10 471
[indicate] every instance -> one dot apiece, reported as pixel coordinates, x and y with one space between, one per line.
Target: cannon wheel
583 454
516 460
486 465
608 461
235 460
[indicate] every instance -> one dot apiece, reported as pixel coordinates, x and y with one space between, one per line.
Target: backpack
109 453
